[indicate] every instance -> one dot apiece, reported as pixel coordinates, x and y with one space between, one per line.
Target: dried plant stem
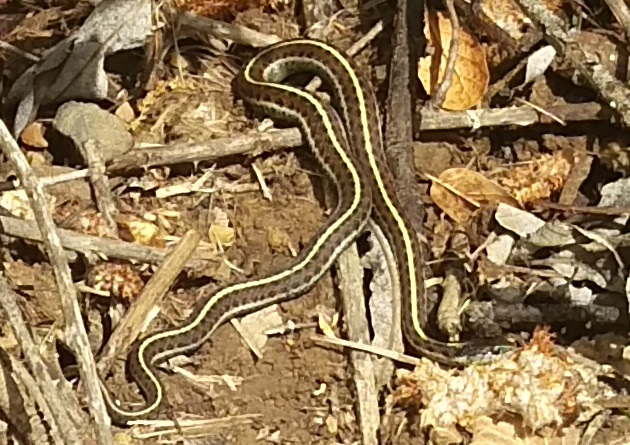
353 300
453 51
58 414
76 336
88 244
614 92
91 152
136 317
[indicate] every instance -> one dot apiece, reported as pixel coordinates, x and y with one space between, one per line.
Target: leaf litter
533 223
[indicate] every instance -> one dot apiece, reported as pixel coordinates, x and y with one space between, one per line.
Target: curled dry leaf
471 77
459 192
33 135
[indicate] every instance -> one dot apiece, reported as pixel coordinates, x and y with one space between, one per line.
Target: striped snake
347 142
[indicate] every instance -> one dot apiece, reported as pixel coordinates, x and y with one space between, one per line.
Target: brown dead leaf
471 77
540 178
459 192
33 135
141 231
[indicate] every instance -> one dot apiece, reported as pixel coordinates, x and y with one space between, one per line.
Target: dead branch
75 331
135 318
453 51
50 399
91 153
90 245
614 92
357 328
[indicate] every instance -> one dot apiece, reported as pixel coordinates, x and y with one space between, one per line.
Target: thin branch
357 328
91 152
135 318
252 144
90 245
187 21
453 52
51 400
277 140
75 331
614 92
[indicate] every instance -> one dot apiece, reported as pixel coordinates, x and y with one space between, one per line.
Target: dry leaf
253 327
325 327
140 231
540 178
220 234
18 204
471 77
143 232
33 135
459 192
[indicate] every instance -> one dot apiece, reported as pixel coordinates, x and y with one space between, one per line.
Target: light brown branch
51 401
135 318
88 244
75 331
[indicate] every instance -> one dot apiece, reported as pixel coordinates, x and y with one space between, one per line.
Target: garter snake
349 147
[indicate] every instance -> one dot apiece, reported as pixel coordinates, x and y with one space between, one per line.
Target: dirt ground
282 387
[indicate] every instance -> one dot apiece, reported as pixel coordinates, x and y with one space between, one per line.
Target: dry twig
76 336
614 92
453 51
88 244
351 287
235 33
91 152
62 415
135 318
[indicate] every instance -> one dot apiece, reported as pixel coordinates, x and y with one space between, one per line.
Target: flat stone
86 121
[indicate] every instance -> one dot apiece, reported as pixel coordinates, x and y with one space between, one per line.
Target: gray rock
84 121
